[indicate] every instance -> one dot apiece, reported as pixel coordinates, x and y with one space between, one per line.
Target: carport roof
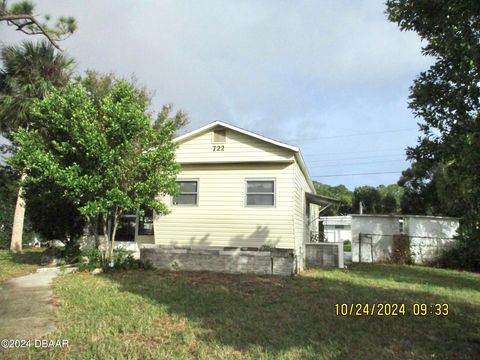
321 200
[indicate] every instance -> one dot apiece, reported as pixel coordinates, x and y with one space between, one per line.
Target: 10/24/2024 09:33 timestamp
391 309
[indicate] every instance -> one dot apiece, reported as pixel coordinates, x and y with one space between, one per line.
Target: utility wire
352 135
354 158
357 163
358 174
320 152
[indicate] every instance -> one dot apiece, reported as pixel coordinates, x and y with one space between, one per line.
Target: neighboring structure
335 228
239 191
373 235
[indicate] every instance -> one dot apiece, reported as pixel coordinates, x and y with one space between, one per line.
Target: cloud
287 69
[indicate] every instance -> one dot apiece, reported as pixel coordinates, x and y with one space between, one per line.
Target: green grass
12 265
169 315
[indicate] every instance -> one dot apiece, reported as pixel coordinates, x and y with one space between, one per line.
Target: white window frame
274 180
197 193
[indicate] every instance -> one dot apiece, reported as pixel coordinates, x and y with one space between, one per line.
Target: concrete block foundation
224 260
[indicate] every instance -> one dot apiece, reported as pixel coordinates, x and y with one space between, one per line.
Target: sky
331 76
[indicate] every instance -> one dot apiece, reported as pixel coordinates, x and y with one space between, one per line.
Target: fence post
360 247
340 255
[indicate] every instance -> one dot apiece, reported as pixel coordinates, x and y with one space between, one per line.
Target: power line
358 174
354 158
320 152
357 163
352 135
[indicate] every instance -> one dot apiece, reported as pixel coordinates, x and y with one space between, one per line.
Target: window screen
261 192
188 193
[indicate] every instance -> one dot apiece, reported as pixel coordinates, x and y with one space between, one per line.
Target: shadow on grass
285 316
28 257
422 275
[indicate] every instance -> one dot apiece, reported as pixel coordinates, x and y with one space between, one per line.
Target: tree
446 98
389 204
98 86
107 156
29 72
369 197
339 192
43 203
8 188
21 16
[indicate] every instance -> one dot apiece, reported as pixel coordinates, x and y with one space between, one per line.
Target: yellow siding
221 217
238 147
299 214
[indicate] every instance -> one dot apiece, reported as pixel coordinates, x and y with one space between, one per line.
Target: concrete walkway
26 306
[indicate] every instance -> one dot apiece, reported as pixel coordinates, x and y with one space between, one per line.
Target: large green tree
107 156
30 70
370 198
339 192
446 99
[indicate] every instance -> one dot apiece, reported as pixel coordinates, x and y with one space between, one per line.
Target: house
373 235
246 204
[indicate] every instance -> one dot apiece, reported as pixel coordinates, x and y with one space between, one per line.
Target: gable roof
234 128
295 149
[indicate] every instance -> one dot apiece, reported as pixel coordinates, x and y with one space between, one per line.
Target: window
260 193
339 226
188 193
145 223
126 228
219 136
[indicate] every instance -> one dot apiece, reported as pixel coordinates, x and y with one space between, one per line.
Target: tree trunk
112 240
18 218
106 238
94 225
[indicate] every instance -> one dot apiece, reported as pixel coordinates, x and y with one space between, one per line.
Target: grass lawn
168 315
12 265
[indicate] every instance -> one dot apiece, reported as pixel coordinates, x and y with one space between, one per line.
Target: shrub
464 255
347 245
90 259
124 260
401 250
72 252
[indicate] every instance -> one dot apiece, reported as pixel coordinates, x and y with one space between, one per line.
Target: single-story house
246 204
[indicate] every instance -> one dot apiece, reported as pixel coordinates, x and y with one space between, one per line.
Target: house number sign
218 147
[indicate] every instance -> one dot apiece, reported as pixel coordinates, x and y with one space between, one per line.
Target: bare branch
31 21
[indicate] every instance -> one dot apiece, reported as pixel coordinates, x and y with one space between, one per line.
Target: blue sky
331 77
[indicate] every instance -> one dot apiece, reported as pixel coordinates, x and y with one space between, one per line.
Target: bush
90 259
401 250
464 255
93 258
347 245
124 260
72 252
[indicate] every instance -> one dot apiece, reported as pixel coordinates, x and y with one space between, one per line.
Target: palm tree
29 71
